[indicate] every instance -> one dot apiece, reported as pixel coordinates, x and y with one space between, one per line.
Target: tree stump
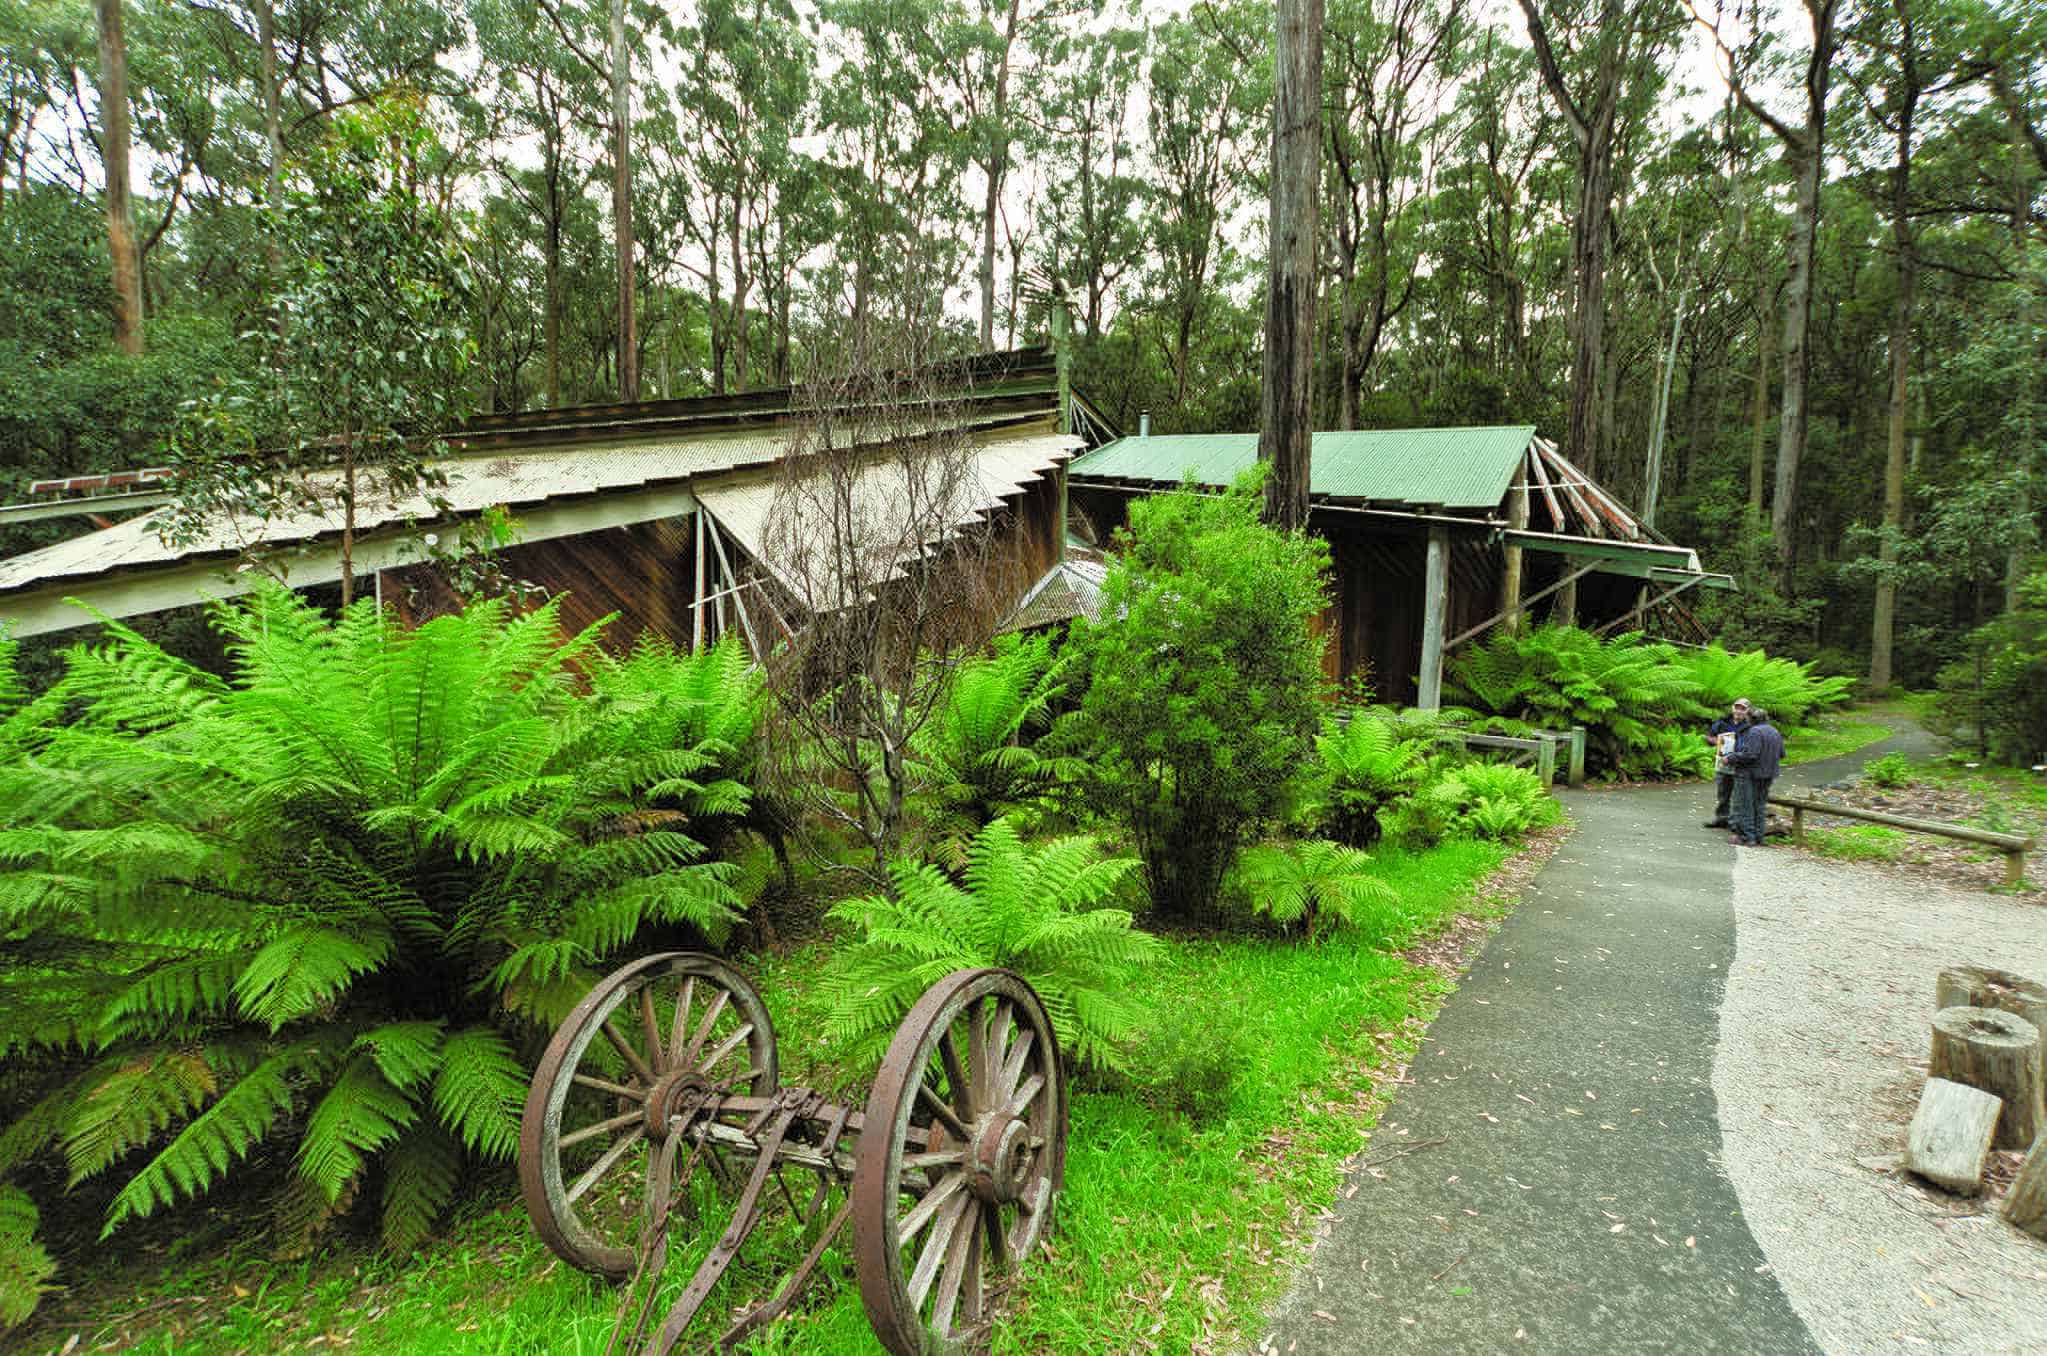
1950 1136
2000 1054
2026 1204
1973 986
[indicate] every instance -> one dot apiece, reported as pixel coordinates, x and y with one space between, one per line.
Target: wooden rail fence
2013 846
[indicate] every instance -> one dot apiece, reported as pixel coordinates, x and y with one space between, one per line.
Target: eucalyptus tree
1209 87
1389 69
115 148
1084 106
1804 145
737 167
1291 240
896 152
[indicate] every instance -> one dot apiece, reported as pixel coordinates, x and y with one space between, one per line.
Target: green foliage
1035 909
1642 702
25 1268
1890 772
1192 1065
1204 689
1314 881
1368 760
1858 843
976 750
1492 801
1790 691
1997 696
320 902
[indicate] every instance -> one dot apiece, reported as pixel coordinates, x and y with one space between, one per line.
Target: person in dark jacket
1758 750
1717 734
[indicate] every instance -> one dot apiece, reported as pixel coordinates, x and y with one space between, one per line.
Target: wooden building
666 515
1435 535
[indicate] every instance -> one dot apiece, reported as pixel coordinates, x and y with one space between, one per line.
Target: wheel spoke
711 1015
1031 1220
600 1128
945 1158
628 1054
1021 1099
606 1085
605 1163
935 1249
965 1245
956 1076
944 1113
979 1057
726 1047
651 1025
679 1031
999 1028
971 1291
1013 1067
920 1214
998 1246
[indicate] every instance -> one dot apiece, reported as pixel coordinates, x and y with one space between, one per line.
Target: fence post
1577 774
1546 760
1798 825
2015 868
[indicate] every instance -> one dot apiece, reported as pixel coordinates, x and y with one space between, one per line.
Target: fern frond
303 969
359 1115
130 1104
420 1177
25 1266
480 1092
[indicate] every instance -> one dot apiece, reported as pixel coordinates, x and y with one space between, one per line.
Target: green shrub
1308 883
1997 696
976 750
1191 1065
1890 772
1494 801
319 903
1034 909
1858 843
1367 761
1205 686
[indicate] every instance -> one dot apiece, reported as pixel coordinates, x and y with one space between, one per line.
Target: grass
1858 843
1831 736
1170 1226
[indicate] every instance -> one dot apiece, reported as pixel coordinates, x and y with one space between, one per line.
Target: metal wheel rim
895 1309
555 1216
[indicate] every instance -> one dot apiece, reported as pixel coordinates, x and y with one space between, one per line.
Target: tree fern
25 1268
1314 881
321 903
1035 909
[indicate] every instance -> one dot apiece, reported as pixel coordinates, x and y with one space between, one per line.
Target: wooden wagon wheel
674 1026
962 1155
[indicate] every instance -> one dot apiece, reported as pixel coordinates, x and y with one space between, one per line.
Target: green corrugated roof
1451 467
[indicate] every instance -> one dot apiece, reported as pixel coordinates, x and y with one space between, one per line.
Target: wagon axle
665 1079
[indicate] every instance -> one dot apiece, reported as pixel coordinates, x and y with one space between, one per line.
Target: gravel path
1822 1052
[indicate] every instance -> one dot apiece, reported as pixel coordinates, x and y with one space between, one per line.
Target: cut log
2026 1204
1950 1136
1973 986
1999 1054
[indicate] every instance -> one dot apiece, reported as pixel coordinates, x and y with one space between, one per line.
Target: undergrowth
1166 1226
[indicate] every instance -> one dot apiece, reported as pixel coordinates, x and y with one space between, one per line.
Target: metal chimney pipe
1144 424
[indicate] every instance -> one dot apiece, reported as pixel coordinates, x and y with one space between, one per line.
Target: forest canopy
1772 273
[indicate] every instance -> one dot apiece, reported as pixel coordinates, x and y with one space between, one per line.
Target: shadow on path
1552 1176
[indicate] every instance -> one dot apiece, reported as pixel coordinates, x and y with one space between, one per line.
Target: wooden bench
2011 845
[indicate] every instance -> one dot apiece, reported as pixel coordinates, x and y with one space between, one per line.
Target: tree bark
998 171
1998 1053
273 118
1284 436
1949 1139
1759 410
1883 624
622 206
115 141
2025 1205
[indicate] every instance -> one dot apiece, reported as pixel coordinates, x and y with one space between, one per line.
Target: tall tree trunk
2021 207
1759 408
1794 417
273 118
622 205
114 149
1284 435
998 173
1883 623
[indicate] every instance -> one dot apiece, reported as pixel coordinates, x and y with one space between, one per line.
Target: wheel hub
680 1094
999 1159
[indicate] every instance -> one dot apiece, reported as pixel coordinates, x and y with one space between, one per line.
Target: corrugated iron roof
514 477
1071 588
1467 468
891 508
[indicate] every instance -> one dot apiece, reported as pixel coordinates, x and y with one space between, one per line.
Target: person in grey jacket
1758 751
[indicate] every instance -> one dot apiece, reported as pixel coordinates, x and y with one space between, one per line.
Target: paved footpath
1552 1178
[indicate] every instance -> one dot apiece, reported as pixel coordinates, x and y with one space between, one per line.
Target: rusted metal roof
1468 468
804 531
